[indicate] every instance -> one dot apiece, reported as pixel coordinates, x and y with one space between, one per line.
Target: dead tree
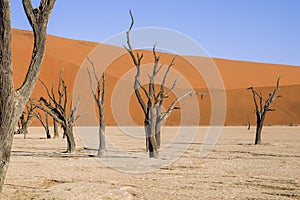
248 125
152 106
262 109
26 119
57 108
45 123
12 102
99 96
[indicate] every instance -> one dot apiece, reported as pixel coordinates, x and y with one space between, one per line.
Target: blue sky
252 30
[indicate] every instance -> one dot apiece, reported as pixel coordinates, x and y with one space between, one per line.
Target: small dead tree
262 109
26 119
45 123
248 125
152 106
12 102
57 108
99 96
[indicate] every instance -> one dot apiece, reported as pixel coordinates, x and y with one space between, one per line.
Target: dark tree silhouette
57 108
44 122
99 97
12 102
26 119
152 106
262 109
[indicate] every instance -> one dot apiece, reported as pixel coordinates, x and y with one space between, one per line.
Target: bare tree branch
254 97
91 85
49 111
128 32
52 99
103 87
38 19
40 118
162 86
73 110
137 62
172 88
173 107
45 123
144 90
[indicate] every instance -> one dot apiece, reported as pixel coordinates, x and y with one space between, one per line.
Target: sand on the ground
234 169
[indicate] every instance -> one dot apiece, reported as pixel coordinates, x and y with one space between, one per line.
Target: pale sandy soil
234 169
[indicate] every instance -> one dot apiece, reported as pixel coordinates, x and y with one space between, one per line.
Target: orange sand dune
237 76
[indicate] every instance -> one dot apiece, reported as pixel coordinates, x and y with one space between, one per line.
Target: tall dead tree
44 122
26 119
99 97
12 102
152 105
262 109
57 108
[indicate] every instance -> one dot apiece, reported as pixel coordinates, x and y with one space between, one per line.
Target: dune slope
237 76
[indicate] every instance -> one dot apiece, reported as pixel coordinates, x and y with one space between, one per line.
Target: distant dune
237 76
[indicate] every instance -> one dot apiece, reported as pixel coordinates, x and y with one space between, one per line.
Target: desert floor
234 169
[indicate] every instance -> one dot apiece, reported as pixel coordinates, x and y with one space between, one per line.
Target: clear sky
253 30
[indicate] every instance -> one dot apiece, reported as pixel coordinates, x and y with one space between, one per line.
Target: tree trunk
258 134
146 124
101 149
68 132
47 126
158 132
8 118
25 124
6 136
48 134
25 130
158 125
55 127
150 127
259 126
